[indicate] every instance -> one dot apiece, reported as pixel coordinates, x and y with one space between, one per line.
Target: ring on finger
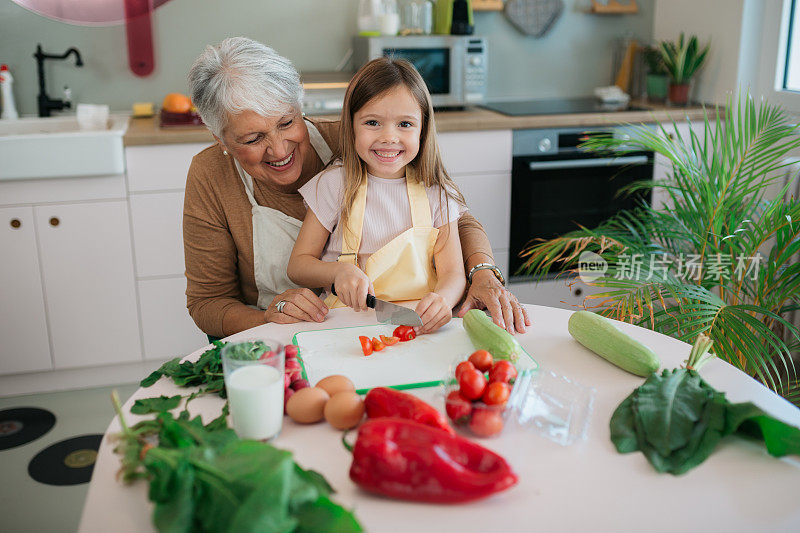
281 305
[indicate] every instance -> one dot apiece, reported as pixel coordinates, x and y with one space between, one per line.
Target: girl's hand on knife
352 286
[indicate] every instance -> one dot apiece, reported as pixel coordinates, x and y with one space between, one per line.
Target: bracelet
486 266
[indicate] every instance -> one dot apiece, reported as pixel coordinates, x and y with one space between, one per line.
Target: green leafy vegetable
206 373
155 405
676 419
204 478
247 351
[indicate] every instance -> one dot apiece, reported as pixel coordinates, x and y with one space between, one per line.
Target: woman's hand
352 286
302 305
434 311
486 292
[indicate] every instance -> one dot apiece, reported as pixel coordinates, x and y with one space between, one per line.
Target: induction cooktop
557 106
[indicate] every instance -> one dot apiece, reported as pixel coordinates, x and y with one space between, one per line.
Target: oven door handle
585 163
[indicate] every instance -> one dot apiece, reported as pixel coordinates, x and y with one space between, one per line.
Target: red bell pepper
382 402
403 459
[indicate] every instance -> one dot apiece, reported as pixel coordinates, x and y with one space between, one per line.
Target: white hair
241 74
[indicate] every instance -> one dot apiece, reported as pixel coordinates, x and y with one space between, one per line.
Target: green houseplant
682 59
718 211
656 79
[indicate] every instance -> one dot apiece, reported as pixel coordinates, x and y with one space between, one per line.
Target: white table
584 487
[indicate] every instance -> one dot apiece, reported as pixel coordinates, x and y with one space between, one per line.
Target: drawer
554 293
488 197
474 152
157 233
160 167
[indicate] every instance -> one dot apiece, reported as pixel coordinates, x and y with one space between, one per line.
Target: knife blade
389 313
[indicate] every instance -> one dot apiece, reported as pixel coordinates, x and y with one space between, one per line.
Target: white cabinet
156 182
87 270
663 166
167 329
157 220
480 164
23 327
560 292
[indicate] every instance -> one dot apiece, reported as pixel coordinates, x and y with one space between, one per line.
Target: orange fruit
176 103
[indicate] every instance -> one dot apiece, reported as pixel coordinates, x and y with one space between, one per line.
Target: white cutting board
422 362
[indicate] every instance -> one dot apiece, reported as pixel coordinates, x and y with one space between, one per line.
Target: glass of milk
253 373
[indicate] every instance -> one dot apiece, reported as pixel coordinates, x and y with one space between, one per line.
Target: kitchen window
778 56
791 70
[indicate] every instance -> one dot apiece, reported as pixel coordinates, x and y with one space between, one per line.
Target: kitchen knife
389 313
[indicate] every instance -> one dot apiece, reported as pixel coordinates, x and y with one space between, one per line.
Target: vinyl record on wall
69 462
22 425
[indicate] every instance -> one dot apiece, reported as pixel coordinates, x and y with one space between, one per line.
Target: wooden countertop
145 131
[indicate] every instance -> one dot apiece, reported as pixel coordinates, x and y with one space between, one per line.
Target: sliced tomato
366 345
388 341
404 333
377 345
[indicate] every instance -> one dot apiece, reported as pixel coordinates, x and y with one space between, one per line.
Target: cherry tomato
458 409
471 383
300 384
502 371
366 345
377 345
404 333
481 359
463 365
486 422
290 350
388 341
496 393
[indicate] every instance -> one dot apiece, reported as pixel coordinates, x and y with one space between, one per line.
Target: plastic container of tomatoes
477 390
484 401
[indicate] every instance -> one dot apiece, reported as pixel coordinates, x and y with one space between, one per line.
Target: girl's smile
387 131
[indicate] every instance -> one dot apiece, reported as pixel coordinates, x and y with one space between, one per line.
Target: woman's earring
224 152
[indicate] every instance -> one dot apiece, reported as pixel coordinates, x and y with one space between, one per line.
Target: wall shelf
487 5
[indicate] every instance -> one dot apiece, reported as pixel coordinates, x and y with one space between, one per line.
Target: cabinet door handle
16 223
54 221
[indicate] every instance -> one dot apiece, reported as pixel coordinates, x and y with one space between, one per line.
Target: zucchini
599 334
486 335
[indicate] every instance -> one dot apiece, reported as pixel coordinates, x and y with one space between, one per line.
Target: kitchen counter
145 131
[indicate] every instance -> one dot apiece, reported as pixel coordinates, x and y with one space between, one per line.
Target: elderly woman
242 211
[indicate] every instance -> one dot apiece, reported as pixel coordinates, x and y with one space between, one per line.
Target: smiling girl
382 219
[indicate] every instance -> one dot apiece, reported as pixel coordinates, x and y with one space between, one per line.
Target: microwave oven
454 67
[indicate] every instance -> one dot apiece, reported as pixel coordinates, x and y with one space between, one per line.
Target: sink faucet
47 104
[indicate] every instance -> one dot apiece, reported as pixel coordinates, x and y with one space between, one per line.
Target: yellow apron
403 268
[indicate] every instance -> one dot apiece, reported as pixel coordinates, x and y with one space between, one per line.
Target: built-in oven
556 186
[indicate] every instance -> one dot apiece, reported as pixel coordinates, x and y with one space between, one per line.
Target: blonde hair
371 81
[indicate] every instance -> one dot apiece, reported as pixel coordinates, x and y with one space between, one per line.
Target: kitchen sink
56 147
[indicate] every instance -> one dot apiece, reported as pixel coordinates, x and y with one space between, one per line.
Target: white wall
717 21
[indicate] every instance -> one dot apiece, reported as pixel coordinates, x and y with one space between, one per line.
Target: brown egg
307 405
335 383
344 410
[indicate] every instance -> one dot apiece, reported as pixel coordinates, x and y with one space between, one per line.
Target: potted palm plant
656 80
744 284
682 59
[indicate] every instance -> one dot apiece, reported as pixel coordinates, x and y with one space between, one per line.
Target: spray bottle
6 81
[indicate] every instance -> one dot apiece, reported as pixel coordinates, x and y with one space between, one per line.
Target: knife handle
370 298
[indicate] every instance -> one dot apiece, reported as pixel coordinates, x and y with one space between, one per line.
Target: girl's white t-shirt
386 215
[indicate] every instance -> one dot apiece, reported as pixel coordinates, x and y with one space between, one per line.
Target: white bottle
390 18
6 81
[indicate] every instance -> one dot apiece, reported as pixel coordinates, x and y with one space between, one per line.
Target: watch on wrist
486 266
